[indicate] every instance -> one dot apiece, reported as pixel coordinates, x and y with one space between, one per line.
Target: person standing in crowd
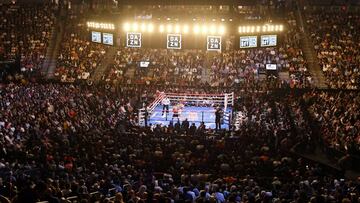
218 116
165 102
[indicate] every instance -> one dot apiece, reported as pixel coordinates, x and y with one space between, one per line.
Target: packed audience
78 56
25 34
339 118
164 67
336 38
82 143
234 66
60 141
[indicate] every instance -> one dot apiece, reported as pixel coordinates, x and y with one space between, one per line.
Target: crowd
25 34
338 117
336 40
82 143
165 67
59 141
78 56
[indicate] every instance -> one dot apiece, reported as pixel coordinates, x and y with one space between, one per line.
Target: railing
225 100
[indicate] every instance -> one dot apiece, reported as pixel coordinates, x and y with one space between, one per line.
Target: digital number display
108 39
248 42
268 40
96 37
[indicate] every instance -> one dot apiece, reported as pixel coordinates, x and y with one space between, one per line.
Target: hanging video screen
268 40
248 42
96 37
108 39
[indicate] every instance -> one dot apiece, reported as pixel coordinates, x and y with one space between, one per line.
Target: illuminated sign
173 41
96 37
133 39
248 42
214 43
268 40
108 39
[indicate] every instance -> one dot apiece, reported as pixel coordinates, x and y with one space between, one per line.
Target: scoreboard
248 42
268 40
96 37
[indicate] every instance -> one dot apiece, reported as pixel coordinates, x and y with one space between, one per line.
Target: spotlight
186 29
196 29
222 30
212 29
143 27
281 28
264 28
135 26
126 27
169 28
204 29
177 28
162 28
150 27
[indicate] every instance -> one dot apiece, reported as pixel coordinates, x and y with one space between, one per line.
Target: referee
218 117
165 102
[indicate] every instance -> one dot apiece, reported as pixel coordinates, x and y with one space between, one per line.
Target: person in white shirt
165 102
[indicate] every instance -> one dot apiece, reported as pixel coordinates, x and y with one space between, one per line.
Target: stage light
169 28
204 29
143 27
222 19
271 28
162 28
168 18
177 28
240 29
247 29
196 29
222 30
258 28
212 29
135 26
252 29
150 27
230 19
264 28
126 27
186 29
281 28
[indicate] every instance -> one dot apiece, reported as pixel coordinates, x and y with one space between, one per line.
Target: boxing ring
196 108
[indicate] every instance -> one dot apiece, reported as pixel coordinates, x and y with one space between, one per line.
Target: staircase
104 64
205 74
310 54
57 33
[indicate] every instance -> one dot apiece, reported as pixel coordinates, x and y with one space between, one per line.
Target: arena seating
70 141
336 41
25 33
338 116
78 57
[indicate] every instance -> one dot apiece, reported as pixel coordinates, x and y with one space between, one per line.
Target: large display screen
248 42
268 40
108 39
96 37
